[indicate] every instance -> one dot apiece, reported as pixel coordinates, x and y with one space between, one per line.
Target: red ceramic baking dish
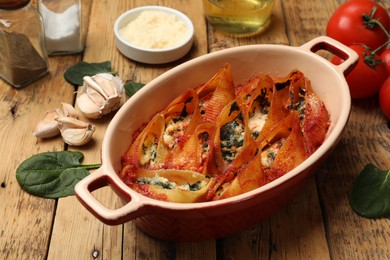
214 219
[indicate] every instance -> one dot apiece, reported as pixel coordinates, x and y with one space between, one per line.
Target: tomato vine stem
370 22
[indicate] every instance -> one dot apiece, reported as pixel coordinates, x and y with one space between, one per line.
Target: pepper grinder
62 20
22 47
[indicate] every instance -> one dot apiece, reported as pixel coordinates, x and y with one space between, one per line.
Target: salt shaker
22 48
63 26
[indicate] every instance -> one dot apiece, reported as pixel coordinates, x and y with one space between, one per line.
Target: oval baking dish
214 219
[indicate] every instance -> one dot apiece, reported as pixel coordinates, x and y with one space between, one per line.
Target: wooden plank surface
21 214
318 224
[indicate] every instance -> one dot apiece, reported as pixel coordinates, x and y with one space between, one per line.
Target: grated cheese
155 30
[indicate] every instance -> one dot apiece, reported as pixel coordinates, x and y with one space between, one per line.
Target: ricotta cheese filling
259 113
256 122
166 184
203 137
149 153
268 155
175 129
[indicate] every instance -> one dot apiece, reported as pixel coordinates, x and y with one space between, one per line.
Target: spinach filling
203 137
166 184
232 138
259 112
300 104
162 182
151 150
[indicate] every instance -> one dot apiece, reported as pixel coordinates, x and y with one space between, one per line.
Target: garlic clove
69 122
95 96
89 108
105 81
69 111
48 126
74 131
77 136
89 82
119 86
111 104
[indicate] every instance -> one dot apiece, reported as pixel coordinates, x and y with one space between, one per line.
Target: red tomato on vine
367 77
360 22
385 56
384 98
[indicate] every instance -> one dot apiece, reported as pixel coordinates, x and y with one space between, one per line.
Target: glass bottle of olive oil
239 17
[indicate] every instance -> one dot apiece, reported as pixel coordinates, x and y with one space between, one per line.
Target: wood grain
318 224
93 238
23 215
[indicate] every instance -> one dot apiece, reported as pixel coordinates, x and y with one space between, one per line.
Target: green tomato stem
370 22
380 47
382 27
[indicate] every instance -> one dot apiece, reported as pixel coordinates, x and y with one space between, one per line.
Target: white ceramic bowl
213 219
151 55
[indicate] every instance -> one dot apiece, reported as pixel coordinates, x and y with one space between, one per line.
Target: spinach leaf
52 174
75 73
370 195
132 87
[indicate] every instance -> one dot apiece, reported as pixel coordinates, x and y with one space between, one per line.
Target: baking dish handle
100 179
349 56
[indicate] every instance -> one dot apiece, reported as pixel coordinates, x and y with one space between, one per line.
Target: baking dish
210 220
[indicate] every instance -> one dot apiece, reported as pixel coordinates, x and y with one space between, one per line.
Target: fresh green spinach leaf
370 195
52 174
75 73
132 87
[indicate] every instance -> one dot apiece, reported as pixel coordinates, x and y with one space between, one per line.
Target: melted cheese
149 154
174 130
232 140
268 156
257 121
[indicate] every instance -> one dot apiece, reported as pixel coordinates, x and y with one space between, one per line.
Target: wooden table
318 224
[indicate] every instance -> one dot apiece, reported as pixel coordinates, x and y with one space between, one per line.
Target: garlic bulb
48 126
75 132
101 94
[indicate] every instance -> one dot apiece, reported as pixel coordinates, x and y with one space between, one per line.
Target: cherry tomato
348 26
364 81
385 56
384 98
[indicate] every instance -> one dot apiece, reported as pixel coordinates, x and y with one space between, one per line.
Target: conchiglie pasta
220 140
